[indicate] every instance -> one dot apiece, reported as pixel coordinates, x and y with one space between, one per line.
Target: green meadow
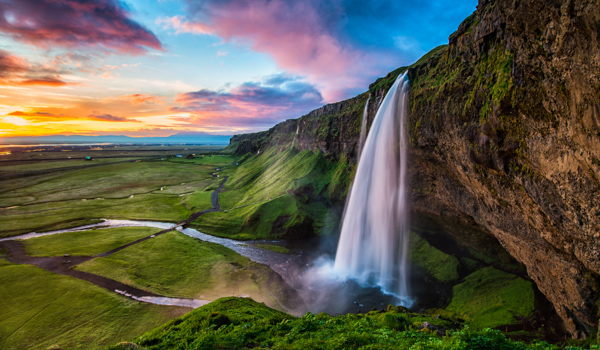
85 243
43 310
157 190
176 265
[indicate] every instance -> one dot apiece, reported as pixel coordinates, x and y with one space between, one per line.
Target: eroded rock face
505 134
505 129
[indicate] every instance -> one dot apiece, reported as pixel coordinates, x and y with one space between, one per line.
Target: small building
179 155
88 158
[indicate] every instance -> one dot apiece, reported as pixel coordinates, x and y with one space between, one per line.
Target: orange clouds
17 71
137 99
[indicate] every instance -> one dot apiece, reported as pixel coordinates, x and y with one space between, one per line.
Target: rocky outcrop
505 131
505 137
333 129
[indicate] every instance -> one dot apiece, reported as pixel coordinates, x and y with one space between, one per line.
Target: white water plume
373 245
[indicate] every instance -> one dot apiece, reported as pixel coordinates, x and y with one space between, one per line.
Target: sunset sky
159 67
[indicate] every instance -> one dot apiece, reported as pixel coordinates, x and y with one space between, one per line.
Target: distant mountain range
184 137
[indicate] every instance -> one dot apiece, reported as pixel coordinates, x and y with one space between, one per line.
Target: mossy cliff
505 143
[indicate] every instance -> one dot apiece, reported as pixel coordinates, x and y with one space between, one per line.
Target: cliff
505 142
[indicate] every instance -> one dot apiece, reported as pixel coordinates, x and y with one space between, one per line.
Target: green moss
490 298
441 266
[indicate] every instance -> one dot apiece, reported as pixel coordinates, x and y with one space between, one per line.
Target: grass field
43 310
87 243
56 164
150 190
176 265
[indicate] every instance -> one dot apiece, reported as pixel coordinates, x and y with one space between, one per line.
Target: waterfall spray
373 245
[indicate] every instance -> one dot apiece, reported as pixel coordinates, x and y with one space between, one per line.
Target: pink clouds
182 26
251 105
109 118
300 44
17 71
75 24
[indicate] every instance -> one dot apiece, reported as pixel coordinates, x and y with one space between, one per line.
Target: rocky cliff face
505 137
505 131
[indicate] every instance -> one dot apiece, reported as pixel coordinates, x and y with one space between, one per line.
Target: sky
160 67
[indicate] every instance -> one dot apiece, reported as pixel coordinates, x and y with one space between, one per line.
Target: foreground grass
42 310
174 264
234 323
88 243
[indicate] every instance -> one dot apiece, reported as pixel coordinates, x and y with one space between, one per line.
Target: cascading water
373 245
363 129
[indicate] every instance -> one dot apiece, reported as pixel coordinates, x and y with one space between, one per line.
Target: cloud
17 71
30 114
39 117
260 103
340 46
137 99
109 118
44 81
182 26
73 24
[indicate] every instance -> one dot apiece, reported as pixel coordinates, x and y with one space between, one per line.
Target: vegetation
278 193
86 243
441 266
43 310
490 298
176 265
234 323
152 190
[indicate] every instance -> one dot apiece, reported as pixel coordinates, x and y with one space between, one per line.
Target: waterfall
363 129
373 245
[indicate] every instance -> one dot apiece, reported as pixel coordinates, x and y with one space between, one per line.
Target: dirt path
65 265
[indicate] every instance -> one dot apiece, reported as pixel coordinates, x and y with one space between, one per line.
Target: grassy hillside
279 193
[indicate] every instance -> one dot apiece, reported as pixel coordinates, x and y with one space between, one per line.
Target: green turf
441 266
87 243
41 309
490 298
176 265
235 323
